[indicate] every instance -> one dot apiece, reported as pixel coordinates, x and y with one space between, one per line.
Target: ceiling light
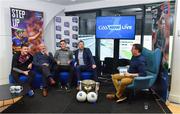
73 0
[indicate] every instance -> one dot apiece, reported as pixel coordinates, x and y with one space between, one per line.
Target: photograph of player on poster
161 30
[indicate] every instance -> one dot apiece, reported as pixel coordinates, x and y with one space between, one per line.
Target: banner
27 28
67 28
161 30
160 38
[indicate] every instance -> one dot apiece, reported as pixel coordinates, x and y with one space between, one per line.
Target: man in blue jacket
137 68
85 61
42 62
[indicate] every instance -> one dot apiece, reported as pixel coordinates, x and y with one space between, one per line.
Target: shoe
67 88
52 82
30 93
78 88
121 99
45 92
111 96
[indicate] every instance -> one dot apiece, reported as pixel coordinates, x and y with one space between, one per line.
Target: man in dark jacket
42 62
85 61
22 65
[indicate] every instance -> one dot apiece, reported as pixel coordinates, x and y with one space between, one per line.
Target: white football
92 97
81 96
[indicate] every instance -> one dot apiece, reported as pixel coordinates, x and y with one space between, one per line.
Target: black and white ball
92 97
81 96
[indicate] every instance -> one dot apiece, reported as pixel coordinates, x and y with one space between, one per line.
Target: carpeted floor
62 102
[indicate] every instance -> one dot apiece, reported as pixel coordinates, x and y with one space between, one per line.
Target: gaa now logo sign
115 27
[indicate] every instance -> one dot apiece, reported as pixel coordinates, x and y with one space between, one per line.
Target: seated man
22 65
136 68
85 61
63 58
42 62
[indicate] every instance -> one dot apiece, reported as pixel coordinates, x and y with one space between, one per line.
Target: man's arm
15 65
90 56
70 57
56 57
131 74
36 60
142 69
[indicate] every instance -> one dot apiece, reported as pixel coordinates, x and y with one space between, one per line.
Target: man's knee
126 81
115 76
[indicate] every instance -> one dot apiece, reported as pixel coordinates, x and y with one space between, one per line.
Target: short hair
63 41
138 47
81 42
24 45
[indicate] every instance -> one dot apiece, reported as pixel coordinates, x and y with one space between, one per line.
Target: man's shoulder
86 49
142 58
16 54
37 53
58 50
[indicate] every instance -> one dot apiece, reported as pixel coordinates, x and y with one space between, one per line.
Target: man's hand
47 53
93 66
26 72
58 62
45 64
127 74
30 66
69 61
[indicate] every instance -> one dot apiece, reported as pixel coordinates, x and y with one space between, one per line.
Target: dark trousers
46 73
61 68
82 68
28 84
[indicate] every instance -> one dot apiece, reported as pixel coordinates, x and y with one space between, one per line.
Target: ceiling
69 2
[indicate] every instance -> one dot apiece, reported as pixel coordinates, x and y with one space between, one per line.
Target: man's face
134 51
42 48
81 45
62 45
24 50
20 34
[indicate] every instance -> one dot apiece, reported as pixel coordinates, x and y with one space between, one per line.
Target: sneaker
44 92
30 93
78 88
121 99
67 88
51 80
60 85
111 96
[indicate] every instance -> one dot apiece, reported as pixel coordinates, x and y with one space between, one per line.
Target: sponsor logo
115 27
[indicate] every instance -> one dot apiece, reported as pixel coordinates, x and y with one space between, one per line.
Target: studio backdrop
67 28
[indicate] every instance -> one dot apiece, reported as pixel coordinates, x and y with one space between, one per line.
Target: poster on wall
67 28
27 28
161 30
160 39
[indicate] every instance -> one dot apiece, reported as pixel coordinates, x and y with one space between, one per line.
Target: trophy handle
97 87
80 85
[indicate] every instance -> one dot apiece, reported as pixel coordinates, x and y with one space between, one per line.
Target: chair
153 60
86 75
37 81
22 78
63 77
109 66
98 65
